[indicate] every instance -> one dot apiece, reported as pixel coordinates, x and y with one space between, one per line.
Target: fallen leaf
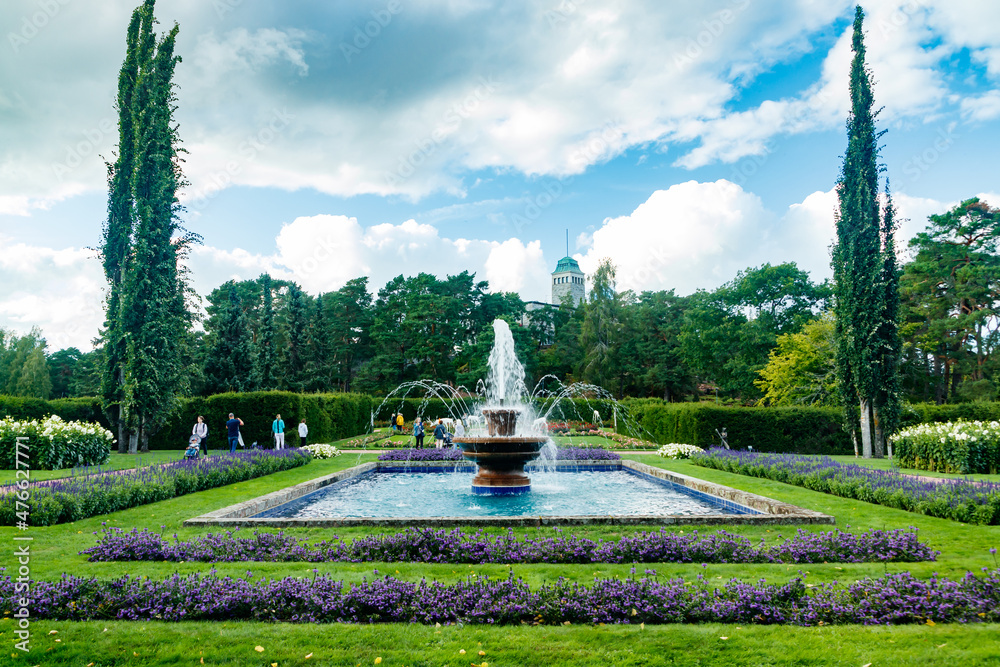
942 645
723 637
566 623
642 626
274 664
203 661
309 655
482 653
53 632
378 661
259 649
931 623
461 651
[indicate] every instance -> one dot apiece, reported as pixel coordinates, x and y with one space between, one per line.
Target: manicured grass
890 464
119 644
55 551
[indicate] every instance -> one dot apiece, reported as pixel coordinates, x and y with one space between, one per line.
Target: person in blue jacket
439 431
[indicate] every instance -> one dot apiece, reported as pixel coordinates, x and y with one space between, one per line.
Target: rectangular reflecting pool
406 493
555 493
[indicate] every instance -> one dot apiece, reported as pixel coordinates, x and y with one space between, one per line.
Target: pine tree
296 322
229 362
864 287
264 376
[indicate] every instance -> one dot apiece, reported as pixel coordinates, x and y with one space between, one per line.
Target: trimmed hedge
575 409
329 417
802 430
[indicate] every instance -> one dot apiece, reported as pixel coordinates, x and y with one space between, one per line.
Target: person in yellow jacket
399 422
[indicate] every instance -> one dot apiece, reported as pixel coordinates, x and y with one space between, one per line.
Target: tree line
766 336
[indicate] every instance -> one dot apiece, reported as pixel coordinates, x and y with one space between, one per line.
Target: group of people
198 442
441 434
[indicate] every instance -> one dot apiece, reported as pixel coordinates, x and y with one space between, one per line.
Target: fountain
504 450
505 433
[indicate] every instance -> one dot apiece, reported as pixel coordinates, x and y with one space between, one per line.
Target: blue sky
685 141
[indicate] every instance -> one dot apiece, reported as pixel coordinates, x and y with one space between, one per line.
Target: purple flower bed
889 600
72 498
454 454
958 499
446 454
427 545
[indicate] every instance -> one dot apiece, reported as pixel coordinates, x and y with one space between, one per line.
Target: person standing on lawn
399 422
278 429
439 435
303 432
418 432
233 432
201 430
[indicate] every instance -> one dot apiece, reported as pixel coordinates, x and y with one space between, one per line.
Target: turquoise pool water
553 493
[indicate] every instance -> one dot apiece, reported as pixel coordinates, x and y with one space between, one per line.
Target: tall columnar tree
866 320
117 238
147 310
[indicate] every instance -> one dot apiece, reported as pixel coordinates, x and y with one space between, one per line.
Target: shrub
675 450
953 447
803 430
54 444
329 416
322 451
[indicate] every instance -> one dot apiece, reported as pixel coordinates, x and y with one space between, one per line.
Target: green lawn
55 551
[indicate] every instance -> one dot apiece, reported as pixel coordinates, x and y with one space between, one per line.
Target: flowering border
892 599
957 499
427 545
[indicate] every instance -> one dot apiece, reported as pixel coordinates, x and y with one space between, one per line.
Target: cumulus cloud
60 291
323 252
698 235
273 101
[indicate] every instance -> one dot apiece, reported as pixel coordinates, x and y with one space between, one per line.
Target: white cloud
983 107
61 291
531 88
323 252
698 235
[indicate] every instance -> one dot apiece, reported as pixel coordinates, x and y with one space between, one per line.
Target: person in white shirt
303 432
201 430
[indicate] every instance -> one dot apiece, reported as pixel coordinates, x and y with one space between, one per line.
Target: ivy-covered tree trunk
865 301
117 237
147 314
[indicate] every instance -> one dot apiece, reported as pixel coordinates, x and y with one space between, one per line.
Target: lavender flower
428 545
889 600
958 499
